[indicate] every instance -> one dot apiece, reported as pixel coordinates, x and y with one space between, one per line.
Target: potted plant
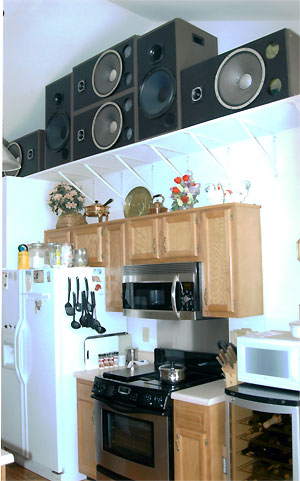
66 202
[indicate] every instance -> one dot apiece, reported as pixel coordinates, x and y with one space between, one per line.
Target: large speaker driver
240 78
107 73
162 54
58 131
254 74
58 122
107 125
157 93
111 123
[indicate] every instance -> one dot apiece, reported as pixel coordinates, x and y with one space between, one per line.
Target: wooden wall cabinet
87 236
232 262
85 426
171 237
226 238
114 259
199 437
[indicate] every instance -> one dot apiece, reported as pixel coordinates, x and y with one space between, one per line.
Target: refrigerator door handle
19 351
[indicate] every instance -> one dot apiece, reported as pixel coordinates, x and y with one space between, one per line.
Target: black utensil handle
77 288
86 288
69 288
93 298
109 201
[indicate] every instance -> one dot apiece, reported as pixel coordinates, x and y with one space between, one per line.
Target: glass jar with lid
36 255
52 254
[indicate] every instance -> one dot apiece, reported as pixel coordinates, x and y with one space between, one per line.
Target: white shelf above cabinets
254 124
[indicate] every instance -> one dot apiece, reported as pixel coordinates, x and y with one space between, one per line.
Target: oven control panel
134 396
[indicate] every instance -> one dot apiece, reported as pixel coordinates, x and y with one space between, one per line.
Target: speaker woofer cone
240 78
58 131
16 151
157 93
107 125
107 73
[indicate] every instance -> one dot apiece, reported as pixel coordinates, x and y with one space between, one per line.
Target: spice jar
52 254
80 258
66 254
36 255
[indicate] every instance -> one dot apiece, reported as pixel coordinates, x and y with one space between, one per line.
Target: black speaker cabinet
110 124
162 53
108 73
58 122
257 73
31 150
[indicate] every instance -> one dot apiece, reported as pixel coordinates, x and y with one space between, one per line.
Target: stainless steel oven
132 444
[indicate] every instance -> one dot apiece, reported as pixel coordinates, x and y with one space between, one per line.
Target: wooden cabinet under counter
86 434
199 436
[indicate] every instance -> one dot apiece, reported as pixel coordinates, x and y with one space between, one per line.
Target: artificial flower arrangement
65 199
184 194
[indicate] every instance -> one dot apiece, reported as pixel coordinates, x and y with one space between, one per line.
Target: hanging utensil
88 304
68 306
96 324
82 319
78 304
75 324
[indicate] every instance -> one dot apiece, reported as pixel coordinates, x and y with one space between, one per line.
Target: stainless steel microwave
162 291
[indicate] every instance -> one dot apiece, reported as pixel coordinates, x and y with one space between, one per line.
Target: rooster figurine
238 195
215 195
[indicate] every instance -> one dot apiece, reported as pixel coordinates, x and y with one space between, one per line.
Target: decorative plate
138 202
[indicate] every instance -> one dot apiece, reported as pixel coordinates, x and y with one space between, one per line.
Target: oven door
131 444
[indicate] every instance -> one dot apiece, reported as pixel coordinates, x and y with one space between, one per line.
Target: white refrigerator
40 353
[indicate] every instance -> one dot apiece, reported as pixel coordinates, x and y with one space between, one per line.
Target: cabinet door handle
176 442
154 245
205 296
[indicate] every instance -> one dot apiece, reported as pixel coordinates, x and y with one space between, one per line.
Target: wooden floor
15 472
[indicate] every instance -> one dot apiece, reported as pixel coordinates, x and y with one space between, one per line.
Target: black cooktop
142 387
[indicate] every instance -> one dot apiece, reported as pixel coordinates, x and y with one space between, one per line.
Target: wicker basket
70 220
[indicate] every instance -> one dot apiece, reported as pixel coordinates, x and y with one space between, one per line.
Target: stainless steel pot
172 372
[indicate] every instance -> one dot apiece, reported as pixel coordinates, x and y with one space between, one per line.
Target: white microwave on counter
269 359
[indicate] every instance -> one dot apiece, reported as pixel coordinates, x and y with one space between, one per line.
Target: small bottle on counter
100 361
106 360
116 358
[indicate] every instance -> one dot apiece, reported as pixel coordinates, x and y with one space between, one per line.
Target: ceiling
44 39
212 10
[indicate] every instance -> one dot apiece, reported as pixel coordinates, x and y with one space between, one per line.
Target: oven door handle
126 409
173 296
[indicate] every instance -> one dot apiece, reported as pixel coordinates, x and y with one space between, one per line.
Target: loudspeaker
31 150
161 54
58 122
110 124
257 73
108 73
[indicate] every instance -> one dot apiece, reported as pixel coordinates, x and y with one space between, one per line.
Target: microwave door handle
173 296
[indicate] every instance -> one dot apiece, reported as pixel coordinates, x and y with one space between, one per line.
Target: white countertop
6 458
205 394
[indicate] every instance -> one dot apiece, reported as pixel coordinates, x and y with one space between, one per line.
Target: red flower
177 180
175 190
185 198
186 177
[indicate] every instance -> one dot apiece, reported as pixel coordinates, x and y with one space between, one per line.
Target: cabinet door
114 259
142 238
191 455
179 237
217 236
89 237
57 235
86 435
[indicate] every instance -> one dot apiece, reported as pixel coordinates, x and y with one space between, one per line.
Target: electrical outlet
146 335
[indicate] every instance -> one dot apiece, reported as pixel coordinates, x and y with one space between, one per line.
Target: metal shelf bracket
132 171
75 185
203 147
164 158
99 177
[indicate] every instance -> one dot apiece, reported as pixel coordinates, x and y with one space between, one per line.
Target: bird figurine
214 194
238 195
